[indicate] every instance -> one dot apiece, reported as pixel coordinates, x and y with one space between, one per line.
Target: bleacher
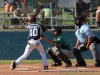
64 20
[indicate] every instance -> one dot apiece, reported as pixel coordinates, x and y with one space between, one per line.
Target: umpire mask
79 19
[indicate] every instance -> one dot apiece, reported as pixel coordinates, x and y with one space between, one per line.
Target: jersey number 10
33 32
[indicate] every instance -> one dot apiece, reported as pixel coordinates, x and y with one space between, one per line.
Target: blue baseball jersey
34 31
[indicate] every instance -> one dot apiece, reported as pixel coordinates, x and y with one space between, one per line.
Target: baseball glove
41 37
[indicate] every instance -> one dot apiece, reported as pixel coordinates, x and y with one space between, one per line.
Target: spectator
94 4
98 16
27 7
44 5
55 8
10 5
82 8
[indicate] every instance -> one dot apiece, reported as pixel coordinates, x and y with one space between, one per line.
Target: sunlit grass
39 61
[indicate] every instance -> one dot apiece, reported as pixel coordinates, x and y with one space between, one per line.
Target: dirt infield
37 69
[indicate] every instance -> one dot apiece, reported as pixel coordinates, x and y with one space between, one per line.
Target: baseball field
35 67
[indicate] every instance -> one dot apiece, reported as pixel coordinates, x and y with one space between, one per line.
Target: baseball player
61 50
34 31
98 16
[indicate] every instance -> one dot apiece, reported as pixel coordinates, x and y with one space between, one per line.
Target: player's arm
89 42
50 41
44 29
53 41
77 44
89 34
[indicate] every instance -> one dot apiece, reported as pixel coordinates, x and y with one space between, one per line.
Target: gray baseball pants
82 48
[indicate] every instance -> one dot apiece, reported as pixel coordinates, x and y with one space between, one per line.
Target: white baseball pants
32 45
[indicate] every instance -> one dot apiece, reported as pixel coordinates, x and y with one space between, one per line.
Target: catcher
61 50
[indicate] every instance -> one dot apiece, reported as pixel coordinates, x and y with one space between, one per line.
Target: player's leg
95 53
43 55
67 53
78 56
62 55
52 53
28 50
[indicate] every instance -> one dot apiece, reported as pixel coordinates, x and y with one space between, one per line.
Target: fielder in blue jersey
34 32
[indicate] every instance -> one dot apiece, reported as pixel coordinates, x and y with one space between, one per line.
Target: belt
95 40
35 38
85 44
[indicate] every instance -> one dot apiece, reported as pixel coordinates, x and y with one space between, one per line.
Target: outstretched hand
41 37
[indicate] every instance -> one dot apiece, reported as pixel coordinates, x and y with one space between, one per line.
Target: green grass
39 61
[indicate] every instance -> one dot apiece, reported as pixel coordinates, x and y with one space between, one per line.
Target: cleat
78 65
69 65
13 65
57 64
81 64
97 65
45 67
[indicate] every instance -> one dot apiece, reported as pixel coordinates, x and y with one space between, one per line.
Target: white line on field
70 68
21 68
30 66
28 71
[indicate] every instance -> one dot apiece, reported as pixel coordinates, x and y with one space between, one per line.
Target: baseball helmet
58 29
32 18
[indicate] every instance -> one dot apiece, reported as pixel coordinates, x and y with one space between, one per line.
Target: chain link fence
57 13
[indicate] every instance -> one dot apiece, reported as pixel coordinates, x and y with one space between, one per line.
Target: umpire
86 40
60 50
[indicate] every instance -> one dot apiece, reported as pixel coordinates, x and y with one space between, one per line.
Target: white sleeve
97 11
